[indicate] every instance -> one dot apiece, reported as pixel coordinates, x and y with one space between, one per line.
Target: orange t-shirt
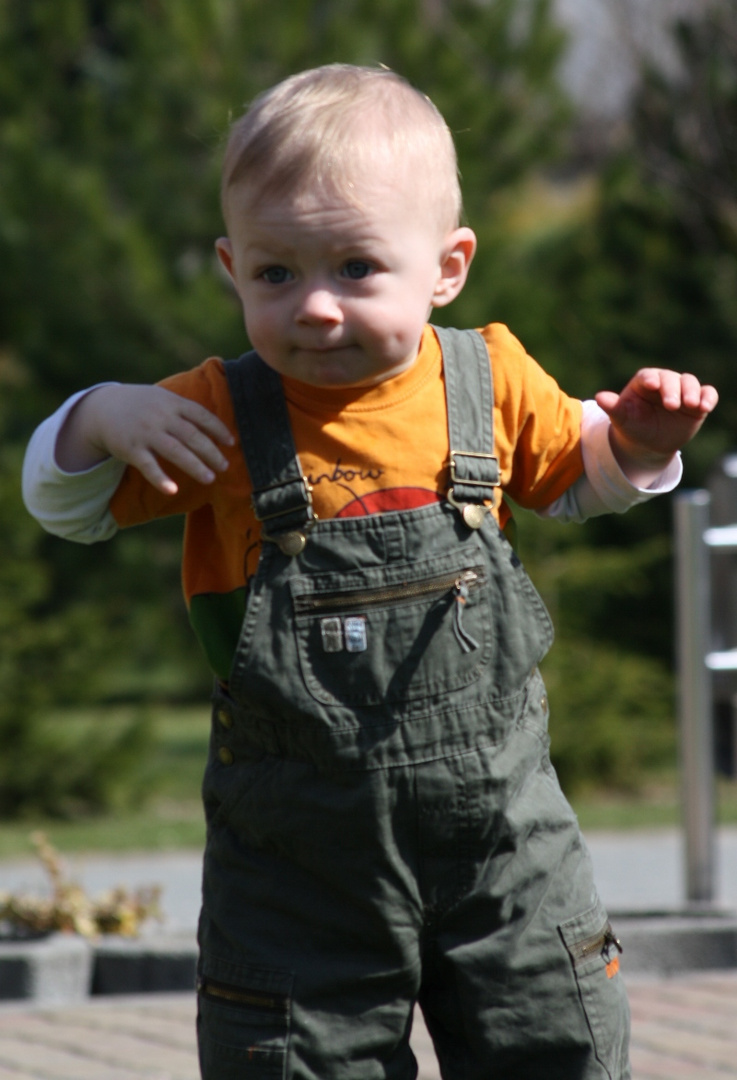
363 450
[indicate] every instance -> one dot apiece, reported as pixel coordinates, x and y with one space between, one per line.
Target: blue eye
276 275
356 269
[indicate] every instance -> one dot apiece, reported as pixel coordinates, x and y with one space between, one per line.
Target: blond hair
331 125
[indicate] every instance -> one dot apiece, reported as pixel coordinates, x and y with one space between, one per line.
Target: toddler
384 826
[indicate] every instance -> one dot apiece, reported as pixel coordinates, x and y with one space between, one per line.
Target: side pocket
243 1014
594 951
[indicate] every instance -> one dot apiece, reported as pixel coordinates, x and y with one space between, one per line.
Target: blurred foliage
612 724
647 273
112 119
49 654
611 696
638 269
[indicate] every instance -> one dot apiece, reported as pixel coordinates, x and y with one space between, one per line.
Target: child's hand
139 425
655 415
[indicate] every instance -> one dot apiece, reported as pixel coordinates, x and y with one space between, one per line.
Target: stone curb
160 965
673 943
67 969
53 970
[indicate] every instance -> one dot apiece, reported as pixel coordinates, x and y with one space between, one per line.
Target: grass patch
657 805
161 826
173 767
168 814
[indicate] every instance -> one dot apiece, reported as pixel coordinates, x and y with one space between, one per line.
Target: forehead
385 201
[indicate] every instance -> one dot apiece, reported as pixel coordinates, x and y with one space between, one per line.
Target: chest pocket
396 634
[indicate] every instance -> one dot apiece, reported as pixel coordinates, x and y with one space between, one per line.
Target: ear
456 256
224 250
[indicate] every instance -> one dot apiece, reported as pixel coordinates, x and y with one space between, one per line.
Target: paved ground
683 1029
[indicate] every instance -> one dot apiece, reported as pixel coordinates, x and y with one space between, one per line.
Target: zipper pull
609 955
460 588
610 938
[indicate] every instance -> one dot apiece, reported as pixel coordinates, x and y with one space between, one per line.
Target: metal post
695 698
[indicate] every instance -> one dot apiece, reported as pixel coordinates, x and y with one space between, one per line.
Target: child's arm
630 451
69 476
140 425
656 414
71 505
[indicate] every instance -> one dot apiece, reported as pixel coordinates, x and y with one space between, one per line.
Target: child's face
336 293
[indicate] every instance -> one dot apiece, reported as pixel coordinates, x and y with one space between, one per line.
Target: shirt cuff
71 505
609 485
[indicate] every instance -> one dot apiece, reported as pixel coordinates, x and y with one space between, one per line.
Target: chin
328 371
335 379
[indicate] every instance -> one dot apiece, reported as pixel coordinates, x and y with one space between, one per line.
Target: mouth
320 350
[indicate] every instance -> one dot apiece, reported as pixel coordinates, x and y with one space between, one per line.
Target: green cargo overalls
384 823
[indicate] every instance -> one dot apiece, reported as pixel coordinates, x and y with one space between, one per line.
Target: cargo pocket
243 1014
594 952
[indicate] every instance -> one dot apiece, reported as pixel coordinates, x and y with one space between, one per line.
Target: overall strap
469 390
282 498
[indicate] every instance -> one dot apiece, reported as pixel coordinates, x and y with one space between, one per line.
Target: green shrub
611 718
45 657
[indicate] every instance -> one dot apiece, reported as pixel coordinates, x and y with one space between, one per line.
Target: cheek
400 314
258 327
407 320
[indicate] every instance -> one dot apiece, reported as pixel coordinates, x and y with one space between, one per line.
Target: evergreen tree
646 274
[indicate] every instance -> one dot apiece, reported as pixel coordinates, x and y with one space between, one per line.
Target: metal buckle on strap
291 541
473 513
305 502
456 479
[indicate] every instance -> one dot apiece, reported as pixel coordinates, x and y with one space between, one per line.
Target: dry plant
70 909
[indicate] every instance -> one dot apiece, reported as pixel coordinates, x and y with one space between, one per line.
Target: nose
319 305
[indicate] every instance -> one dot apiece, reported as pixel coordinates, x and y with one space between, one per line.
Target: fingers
150 469
607 400
149 425
205 422
676 392
709 399
147 458
188 437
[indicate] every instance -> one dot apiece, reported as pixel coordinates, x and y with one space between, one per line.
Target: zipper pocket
459 582
596 943
246 999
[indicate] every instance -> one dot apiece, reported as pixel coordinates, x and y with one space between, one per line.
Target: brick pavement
683 1029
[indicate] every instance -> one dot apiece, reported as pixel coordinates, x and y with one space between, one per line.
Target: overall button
473 515
226 755
544 703
225 718
292 543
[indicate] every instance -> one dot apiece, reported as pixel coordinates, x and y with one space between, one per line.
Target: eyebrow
345 246
267 247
